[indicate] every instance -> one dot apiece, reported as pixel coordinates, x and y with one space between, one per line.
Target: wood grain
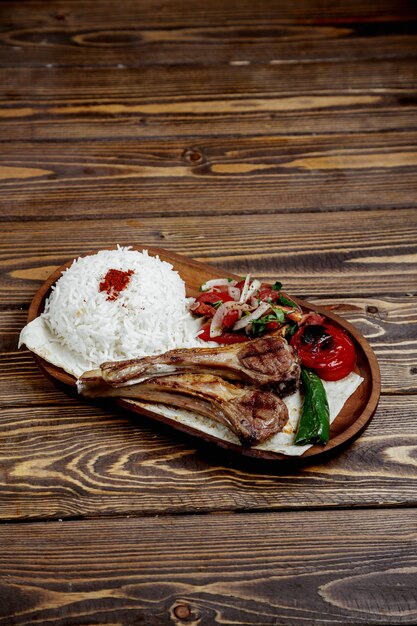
66 104
310 113
233 175
300 568
195 88
173 13
133 46
272 137
73 38
80 460
370 253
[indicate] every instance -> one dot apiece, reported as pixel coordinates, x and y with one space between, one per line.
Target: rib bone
252 414
266 362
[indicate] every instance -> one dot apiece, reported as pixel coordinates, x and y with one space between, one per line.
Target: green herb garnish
286 301
259 325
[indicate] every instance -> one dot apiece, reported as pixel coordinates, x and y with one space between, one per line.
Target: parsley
258 326
277 286
279 314
286 301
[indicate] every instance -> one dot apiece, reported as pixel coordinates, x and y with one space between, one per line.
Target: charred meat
268 362
252 414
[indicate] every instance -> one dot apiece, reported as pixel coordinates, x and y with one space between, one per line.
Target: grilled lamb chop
268 362
252 414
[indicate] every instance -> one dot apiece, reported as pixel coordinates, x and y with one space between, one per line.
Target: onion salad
237 311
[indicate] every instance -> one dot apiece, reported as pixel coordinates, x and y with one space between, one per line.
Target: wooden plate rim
57 374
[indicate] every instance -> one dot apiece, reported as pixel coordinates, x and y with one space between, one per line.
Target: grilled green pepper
314 426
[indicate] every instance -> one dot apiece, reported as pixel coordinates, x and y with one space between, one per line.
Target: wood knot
193 156
182 611
61 17
372 309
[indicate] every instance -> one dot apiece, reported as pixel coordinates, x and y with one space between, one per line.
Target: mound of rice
148 317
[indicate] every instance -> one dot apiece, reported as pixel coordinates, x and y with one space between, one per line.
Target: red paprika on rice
114 282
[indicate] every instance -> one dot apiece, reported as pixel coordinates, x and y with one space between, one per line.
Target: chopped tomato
266 294
222 296
204 304
230 318
205 310
325 349
273 326
222 289
225 338
204 333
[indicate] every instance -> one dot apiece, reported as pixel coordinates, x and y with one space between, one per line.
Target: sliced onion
245 289
216 326
234 292
247 319
249 288
217 282
253 288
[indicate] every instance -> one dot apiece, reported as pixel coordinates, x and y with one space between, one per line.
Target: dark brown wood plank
22 383
300 568
81 460
239 45
100 87
186 89
66 104
35 13
260 174
293 115
65 40
172 13
388 324
362 253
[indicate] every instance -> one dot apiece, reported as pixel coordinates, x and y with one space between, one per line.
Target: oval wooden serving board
354 417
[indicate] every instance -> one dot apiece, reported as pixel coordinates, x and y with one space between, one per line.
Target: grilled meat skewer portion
252 414
266 362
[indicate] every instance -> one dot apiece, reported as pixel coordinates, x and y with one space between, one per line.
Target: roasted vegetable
325 349
314 426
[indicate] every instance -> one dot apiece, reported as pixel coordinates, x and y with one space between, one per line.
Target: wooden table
272 137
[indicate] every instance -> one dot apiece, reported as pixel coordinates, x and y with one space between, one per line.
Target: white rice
148 317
